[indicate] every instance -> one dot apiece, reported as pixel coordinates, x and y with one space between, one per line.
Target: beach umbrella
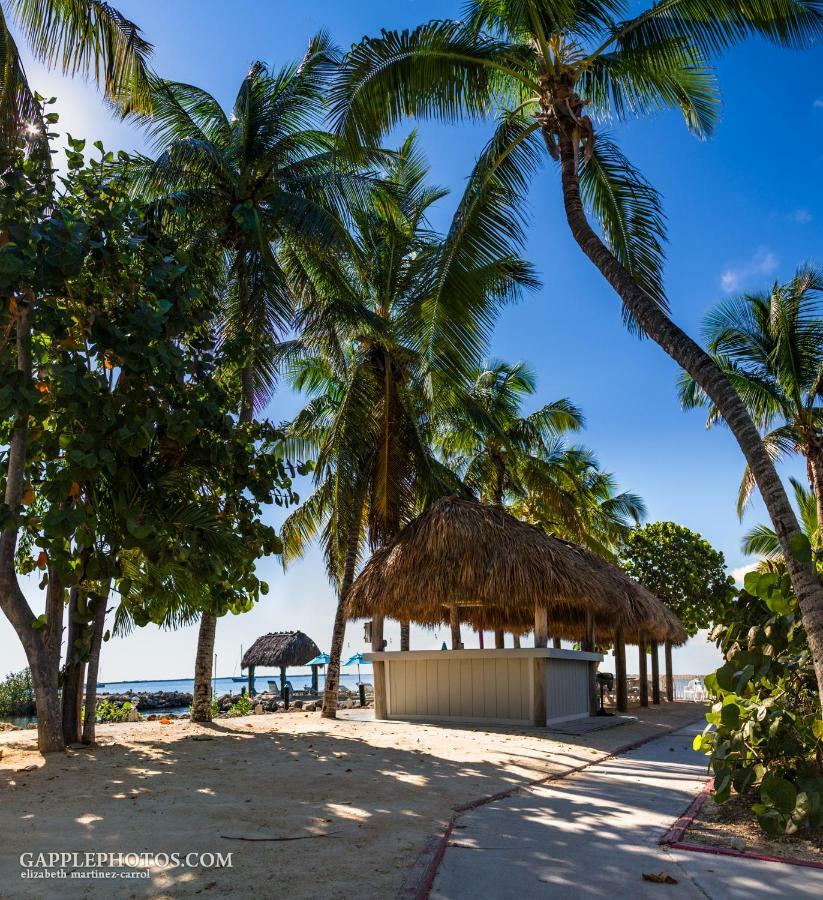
322 659
355 660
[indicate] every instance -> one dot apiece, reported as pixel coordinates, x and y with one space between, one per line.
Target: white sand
376 790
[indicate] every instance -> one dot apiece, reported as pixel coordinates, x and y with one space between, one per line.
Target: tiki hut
463 561
279 650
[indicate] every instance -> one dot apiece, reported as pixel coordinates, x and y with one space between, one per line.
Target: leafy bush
242 706
113 712
16 694
765 733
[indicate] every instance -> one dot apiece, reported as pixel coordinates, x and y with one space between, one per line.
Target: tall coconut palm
385 330
89 38
770 345
501 454
763 541
244 183
555 72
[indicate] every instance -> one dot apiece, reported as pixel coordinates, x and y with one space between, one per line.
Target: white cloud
818 104
741 571
801 216
763 262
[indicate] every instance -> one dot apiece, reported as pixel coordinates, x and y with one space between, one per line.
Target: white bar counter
530 686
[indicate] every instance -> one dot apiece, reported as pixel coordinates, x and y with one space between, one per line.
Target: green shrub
242 706
765 733
17 694
113 712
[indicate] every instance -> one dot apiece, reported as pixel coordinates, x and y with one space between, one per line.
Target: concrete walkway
594 834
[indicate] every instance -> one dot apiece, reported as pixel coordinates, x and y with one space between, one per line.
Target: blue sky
744 209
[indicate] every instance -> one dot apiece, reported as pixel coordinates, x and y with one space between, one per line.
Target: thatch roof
281 648
495 568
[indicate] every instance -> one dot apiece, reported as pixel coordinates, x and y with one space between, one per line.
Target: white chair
695 690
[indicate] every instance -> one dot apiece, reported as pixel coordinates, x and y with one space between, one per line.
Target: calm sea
299 678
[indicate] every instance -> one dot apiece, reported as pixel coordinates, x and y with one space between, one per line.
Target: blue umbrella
355 660
322 659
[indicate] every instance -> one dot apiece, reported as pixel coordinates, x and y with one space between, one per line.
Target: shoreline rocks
150 699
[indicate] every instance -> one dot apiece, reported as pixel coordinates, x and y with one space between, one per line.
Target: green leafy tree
89 38
240 185
765 732
556 74
121 445
386 332
770 345
682 569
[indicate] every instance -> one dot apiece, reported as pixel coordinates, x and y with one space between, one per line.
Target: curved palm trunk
201 699
815 461
330 695
691 357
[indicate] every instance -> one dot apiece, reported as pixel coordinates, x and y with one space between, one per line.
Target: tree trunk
201 699
72 674
655 673
330 692
454 625
683 350
405 634
644 672
815 460
93 670
516 641
621 689
499 640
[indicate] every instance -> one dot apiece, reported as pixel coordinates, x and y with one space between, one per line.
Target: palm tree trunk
330 695
815 460
201 699
93 670
691 357
405 634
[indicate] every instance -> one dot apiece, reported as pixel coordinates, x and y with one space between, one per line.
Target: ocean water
299 678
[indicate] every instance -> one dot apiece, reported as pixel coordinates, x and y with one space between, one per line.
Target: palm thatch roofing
495 569
280 649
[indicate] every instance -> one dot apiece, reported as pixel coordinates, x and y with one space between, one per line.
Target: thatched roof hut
495 569
280 649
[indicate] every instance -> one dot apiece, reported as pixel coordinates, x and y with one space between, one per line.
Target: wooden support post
314 679
405 631
377 634
538 692
556 643
251 681
499 640
589 646
541 625
282 680
669 671
644 673
378 669
516 641
622 690
454 622
655 674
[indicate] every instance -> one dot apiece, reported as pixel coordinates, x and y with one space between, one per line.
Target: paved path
593 834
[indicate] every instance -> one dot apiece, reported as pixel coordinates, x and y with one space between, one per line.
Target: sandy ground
361 797
733 824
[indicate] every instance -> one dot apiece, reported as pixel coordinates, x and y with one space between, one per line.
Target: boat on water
240 680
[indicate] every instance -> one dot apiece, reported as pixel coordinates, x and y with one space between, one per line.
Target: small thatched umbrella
475 561
279 649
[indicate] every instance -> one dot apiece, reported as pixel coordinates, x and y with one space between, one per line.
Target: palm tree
502 455
763 541
89 38
244 184
385 330
770 345
554 72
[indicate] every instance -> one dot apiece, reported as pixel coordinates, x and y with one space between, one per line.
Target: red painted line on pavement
674 837
420 878
744 854
676 832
